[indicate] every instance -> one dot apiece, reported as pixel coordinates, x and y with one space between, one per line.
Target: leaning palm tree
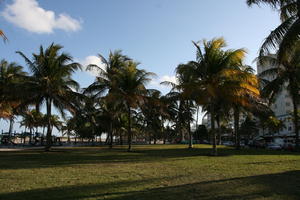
51 82
286 71
287 33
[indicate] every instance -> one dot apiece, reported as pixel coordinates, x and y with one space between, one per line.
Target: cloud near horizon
28 14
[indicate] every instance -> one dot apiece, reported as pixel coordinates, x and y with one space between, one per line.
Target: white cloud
95 61
28 15
169 79
155 83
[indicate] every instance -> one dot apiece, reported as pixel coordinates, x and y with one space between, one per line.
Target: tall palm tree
131 91
218 77
286 71
105 84
283 37
51 82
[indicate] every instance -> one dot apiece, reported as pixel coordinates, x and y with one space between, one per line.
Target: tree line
119 104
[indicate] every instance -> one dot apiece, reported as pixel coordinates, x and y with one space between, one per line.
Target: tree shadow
270 186
72 156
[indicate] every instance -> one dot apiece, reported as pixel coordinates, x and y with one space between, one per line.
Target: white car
228 143
273 146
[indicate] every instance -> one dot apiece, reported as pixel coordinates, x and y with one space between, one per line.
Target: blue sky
157 33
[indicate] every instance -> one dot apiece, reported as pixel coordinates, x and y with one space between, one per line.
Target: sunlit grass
150 172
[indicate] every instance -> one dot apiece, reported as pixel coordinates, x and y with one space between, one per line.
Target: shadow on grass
64 157
270 186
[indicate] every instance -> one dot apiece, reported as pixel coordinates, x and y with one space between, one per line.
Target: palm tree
287 33
51 82
244 97
30 120
286 71
105 84
218 77
178 112
154 112
275 124
131 91
185 78
122 83
11 77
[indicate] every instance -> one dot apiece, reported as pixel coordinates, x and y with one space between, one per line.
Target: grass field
150 172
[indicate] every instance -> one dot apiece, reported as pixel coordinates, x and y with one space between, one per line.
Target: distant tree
249 128
201 133
274 124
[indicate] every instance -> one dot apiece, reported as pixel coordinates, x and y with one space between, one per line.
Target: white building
282 107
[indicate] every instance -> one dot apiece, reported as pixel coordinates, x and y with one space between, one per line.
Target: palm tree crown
287 33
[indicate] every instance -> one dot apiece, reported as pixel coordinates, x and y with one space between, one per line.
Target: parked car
289 146
228 143
205 142
273 146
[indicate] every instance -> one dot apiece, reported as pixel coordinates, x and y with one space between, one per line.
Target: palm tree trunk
107 138
190 135
197 116
24 141
121 138
189 127
30 135
236 128
69 139
49 127
11 124
295 112
111 135
129 129
162 131
212 118
219 130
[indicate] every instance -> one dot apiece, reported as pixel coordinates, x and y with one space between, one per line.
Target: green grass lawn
150 172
